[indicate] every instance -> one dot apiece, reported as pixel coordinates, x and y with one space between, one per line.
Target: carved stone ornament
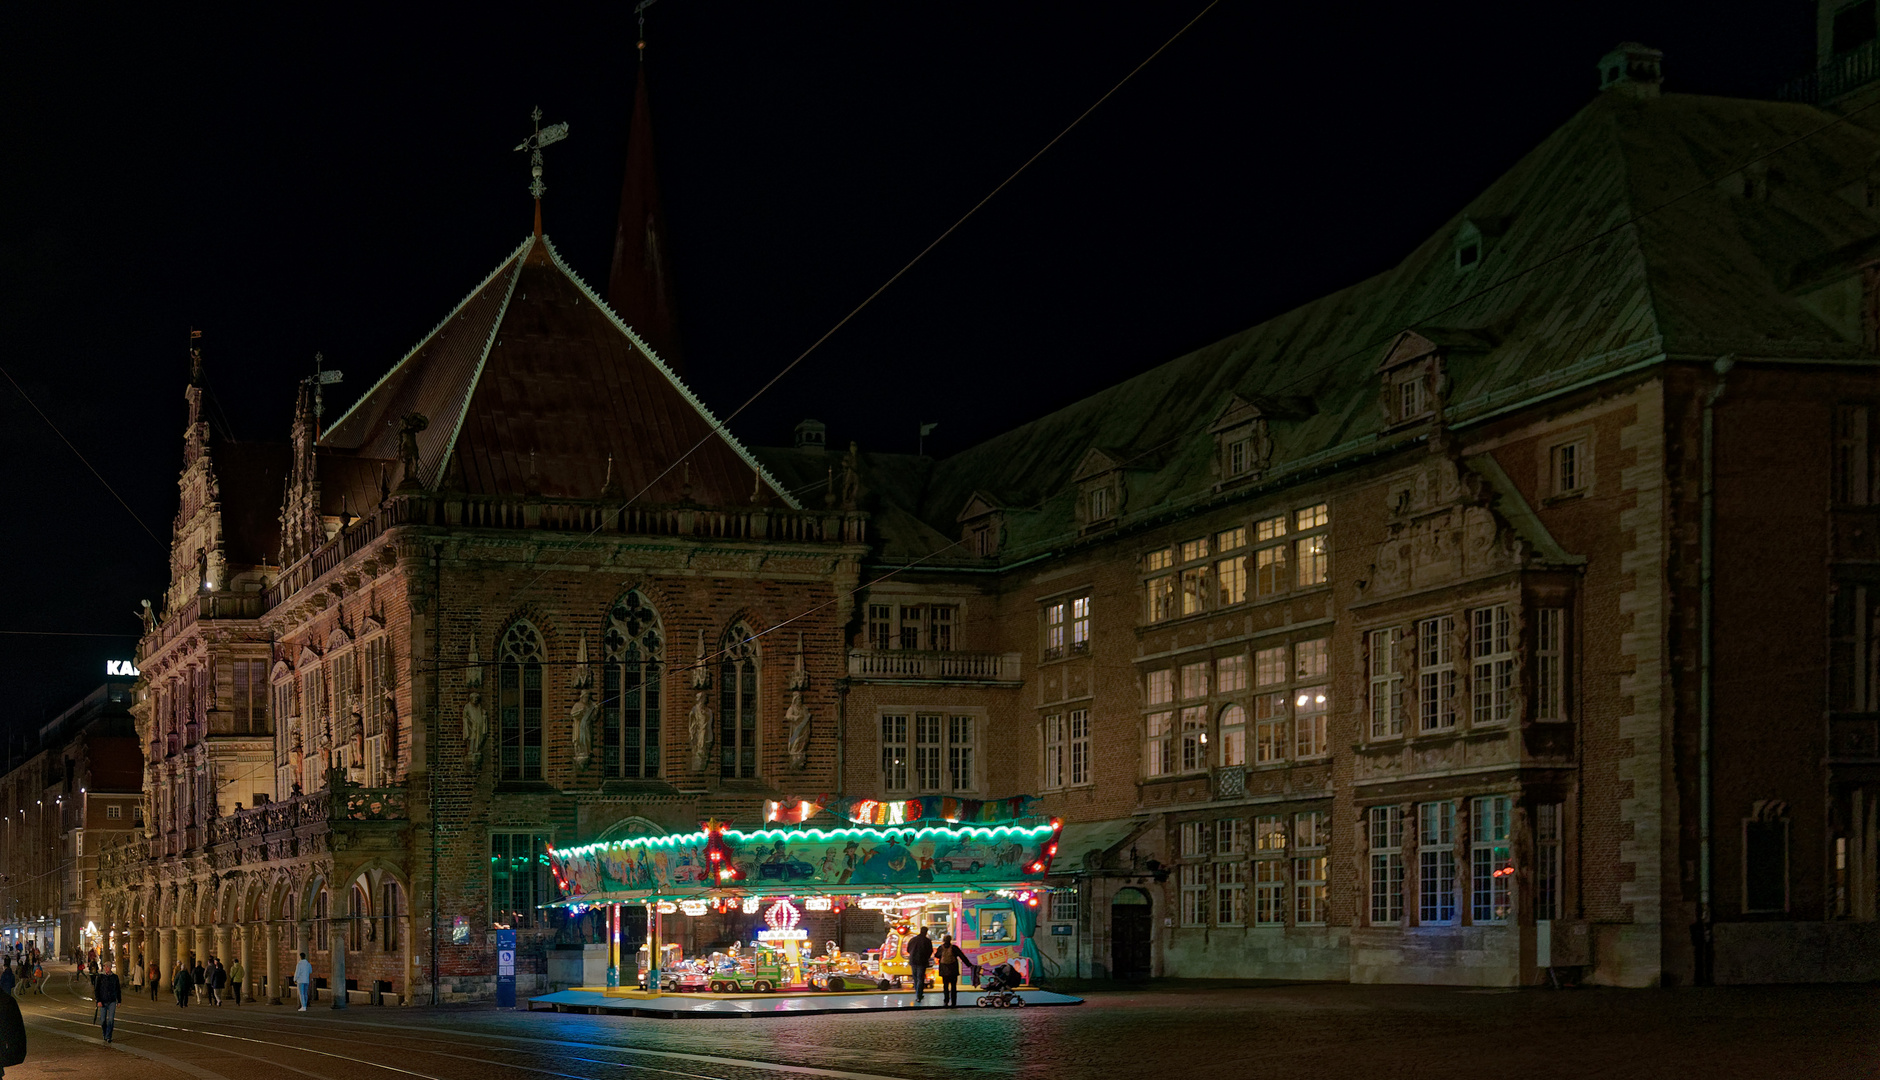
797 717
585 708
1441 530
698 722
476 722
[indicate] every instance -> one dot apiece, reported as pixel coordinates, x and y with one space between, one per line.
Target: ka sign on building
121 667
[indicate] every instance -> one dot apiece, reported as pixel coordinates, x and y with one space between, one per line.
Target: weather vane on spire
543 136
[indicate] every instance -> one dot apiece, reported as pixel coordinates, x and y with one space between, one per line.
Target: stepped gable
529 387
1623 238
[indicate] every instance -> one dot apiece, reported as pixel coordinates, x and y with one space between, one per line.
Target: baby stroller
1001 989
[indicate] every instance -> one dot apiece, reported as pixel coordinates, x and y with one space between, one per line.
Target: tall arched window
737 705
519 702
630 700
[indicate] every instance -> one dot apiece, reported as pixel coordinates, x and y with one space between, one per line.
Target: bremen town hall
1513 614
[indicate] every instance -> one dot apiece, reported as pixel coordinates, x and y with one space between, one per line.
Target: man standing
107 990
919 955
237 975
948 958
303 978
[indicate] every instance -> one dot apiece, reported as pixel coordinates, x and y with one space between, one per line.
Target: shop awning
1084 842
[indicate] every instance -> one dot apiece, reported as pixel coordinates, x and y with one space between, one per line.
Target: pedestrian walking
303 978
182 983
12 1033
8 980
919 955
39 977
947 960
154 979
107 991
218 979
201 978
237 979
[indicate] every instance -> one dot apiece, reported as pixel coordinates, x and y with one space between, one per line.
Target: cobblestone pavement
1300 1032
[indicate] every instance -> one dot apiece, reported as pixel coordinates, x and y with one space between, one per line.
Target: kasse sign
121 667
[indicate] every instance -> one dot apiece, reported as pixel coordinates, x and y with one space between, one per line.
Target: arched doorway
1131 929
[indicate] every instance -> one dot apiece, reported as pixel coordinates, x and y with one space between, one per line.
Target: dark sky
302 179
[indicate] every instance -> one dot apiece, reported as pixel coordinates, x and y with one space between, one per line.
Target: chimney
1631 68
812 435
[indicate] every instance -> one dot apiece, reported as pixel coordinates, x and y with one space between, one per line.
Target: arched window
519 701
737 705
1233 735
630 701
359 918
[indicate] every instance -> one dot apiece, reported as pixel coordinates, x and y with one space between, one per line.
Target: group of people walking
208 981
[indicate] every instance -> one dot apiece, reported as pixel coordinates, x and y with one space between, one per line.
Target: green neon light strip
1029 832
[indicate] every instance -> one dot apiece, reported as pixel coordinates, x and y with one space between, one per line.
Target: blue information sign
505 969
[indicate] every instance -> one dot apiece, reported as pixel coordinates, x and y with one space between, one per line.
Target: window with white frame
881 626
1056 752
1311 701
1233 735
1271 716
1080 623
1567 467
1194 889
1158 585
1230 674
1386 705
1269 870
1101 500
1436 673
1230 893
1077 739
1491 647
1550 669
1311 864
1312 546
1230 567
114 812
1159 693
1064 905
1194 736
1056 628
1194 839
1491 870
1271 570
1549 868
1436 863
1196 576
960 746
1384 827
894 753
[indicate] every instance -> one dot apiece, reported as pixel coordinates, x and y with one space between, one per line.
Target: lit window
1230 674
1079 737
1158 587
1269 666
1270 717
1195 738
1080 623
1160 735
1233 735
1311 838
894 755
519 881
1194 681
1311 712
1312 658
1312 553
1054 617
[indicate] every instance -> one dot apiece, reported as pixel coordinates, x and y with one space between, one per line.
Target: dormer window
1243 445
1099 480
1473 238
1100 503
981 524
1414 373
1468 254
1413 398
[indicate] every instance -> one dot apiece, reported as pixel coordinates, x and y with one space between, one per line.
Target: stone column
246 952
339 926
137 968
166 954
408 974
271 932
221 943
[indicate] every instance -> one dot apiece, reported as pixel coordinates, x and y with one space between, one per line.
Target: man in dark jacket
948 958
107 991
181 983
12 1033
919 956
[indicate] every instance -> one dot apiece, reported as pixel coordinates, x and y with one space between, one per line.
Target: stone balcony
949 668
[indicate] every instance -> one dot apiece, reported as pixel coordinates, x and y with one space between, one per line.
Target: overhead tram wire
81 458
1309 370
725 423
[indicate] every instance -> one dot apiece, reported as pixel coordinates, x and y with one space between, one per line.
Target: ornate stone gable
1440 530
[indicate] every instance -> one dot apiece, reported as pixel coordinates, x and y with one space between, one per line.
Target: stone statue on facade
408 428
698 722
797 718
585 708
852 478
476 723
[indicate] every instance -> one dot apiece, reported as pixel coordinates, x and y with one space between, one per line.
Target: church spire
639 288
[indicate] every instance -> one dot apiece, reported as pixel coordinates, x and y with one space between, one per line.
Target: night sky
303 179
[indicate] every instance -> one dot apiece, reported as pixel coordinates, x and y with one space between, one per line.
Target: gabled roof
1618 247
531 384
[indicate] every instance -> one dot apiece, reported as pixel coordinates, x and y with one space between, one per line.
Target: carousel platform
703 1006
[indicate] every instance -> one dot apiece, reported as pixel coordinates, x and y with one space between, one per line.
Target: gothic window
737 705
519 696
630 701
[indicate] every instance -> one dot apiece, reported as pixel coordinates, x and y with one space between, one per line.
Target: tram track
66 1006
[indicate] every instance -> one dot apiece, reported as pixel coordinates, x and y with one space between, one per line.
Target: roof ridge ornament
543 136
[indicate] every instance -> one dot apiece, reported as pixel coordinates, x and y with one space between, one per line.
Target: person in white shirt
303 978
